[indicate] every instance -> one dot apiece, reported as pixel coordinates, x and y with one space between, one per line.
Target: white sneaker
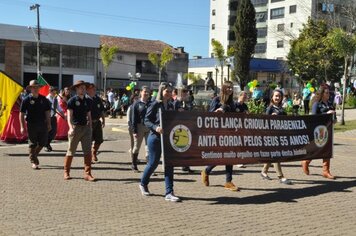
144 190
171 197
34 166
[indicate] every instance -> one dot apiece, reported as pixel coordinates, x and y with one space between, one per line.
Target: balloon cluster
130 86
310 87
252 85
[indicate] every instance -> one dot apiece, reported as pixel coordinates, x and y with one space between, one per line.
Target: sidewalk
42 203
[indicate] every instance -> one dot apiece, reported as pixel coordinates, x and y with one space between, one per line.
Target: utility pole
37 8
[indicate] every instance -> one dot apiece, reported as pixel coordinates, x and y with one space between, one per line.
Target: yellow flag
9 92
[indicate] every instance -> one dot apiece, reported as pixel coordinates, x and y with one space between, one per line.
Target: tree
221 57
161 60
107 54
246 39
310 58
194 79
345 47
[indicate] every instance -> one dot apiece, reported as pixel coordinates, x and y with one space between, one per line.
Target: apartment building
277 22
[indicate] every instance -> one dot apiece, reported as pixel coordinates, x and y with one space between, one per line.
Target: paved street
42 203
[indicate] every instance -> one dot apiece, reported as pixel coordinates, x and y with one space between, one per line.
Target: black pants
37 134
52 133
306 107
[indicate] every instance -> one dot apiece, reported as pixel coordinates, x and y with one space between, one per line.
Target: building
266 71
70 56
277 22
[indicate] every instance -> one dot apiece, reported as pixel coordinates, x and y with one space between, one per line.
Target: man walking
80 126
97 113
37 110
52 98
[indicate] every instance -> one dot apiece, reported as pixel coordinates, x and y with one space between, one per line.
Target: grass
349 125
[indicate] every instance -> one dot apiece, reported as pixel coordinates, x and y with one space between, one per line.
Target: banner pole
162 146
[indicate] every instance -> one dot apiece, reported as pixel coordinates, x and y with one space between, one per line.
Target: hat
78 83
33 83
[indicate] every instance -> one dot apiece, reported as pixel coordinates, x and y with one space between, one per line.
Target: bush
351 101
256 107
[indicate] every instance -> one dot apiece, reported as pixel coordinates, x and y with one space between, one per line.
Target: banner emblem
180 138
321 135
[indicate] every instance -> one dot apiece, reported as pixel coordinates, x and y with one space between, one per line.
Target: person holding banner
323 106
37 110
224 103
275 108
152 121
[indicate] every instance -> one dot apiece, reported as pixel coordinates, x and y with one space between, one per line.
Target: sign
208 138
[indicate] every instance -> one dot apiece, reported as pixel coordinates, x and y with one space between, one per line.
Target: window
259 2
213 12
280 44
277 13
145 67
233 5
292 9
49 54
261 16
260 48
120 57
2 51
272 1
231 35
280 27
291 25
213 26
78 57
327 7
232 20
261 32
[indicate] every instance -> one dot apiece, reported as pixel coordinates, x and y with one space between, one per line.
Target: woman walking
224 103
152 121
322 106
275 108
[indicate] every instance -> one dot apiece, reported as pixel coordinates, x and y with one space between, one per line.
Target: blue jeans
154 154
228 170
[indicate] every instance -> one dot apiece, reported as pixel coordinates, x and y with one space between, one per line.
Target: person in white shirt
55 108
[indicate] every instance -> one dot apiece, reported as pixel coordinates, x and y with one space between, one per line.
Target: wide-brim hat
33 84
79 83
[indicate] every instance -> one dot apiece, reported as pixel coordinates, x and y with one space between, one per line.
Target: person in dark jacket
224 103
275 108
322 106
152 121
140 131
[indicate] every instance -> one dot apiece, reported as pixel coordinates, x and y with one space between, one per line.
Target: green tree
107 54
161 60
246 39
344 45
311 58
194 79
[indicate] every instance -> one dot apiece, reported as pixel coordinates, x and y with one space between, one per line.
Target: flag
9 92
45 86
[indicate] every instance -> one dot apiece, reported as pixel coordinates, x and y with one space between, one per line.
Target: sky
179 23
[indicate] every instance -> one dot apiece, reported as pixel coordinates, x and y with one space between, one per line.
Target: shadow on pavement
282 194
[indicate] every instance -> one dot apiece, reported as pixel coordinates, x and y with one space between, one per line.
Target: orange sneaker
230 186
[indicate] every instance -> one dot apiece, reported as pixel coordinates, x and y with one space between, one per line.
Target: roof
256 64
51 36
136 45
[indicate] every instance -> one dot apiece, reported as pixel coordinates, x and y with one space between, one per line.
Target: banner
209 138
44 91
9 92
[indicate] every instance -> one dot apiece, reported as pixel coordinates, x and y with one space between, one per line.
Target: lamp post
37 8
216 78
228 64
134 78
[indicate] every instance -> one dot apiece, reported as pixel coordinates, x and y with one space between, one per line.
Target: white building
277 22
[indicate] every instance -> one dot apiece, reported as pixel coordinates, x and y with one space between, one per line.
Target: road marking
120 130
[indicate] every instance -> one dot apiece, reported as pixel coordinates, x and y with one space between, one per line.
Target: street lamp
228 64
37 8
216 78
134 78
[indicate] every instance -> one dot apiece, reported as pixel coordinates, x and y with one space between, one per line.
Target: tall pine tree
246 39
